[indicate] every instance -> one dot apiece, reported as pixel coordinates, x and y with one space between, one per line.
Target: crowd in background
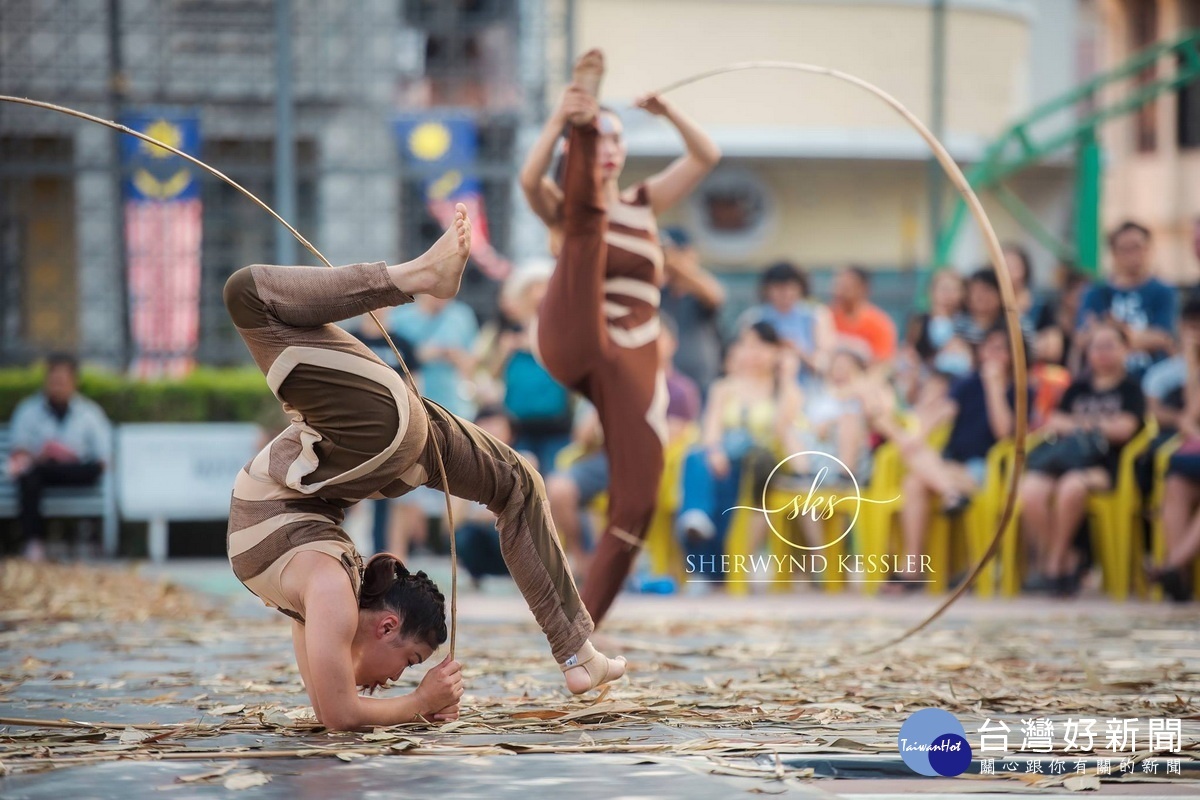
796 373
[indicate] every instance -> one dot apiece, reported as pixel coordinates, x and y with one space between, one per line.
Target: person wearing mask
982 409
930 331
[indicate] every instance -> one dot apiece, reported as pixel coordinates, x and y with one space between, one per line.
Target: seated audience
1181 493
1020 271
1098 414
855 317
59 438
982 409
929 332
803 324
478 541
693 297
539 407
747 419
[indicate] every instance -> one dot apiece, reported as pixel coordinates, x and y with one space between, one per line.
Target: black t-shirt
1082 398
971 434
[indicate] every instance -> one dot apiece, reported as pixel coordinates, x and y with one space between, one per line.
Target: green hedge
206 395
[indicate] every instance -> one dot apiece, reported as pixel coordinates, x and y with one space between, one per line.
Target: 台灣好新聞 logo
933 742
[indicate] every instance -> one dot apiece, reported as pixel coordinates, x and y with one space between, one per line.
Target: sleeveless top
756 418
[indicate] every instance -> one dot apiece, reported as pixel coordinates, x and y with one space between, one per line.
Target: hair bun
381 572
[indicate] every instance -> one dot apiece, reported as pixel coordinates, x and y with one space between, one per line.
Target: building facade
1152 158
358 66
816 170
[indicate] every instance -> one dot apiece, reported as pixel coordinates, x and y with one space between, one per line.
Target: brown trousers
335 390
575 346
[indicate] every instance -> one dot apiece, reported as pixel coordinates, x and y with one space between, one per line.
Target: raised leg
570 330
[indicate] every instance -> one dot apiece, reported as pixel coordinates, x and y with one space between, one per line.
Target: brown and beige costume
358 431
597 333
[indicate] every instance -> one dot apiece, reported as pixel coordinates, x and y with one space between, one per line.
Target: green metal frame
1024 144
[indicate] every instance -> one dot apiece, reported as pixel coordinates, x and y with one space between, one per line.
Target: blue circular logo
933 742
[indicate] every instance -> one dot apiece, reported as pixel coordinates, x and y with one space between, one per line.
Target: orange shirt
872 325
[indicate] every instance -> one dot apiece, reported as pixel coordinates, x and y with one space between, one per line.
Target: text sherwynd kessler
857 564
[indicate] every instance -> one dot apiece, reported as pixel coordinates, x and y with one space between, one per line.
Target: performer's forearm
537 163
699 144
376 712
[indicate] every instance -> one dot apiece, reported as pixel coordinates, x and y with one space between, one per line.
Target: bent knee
241 298
632 508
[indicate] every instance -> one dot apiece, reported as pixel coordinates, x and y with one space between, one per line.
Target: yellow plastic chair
867 537
1010 556
1158 538
567 456
879 529
1115 517
662 548
977 523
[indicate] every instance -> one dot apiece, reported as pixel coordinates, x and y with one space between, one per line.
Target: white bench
82 502
179 471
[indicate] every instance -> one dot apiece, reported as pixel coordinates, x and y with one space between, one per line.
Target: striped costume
597 333
358 431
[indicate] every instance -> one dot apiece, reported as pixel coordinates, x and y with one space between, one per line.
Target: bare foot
592 669
589 71
438 271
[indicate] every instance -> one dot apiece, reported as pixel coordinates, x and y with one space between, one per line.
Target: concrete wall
653 42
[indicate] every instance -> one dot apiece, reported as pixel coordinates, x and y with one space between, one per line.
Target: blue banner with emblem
163 227
153 173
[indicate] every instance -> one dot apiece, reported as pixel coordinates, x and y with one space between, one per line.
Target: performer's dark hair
388 585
